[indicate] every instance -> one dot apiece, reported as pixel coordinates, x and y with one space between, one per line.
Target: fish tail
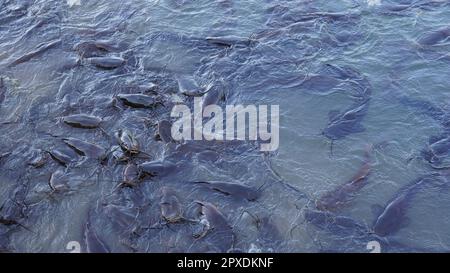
331 148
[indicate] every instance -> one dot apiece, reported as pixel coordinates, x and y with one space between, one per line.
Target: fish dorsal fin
340 72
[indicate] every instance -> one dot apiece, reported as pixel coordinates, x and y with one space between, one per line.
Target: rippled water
278 53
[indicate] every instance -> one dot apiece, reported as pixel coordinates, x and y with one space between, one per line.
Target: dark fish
423 107
215 218
342 195
330 75
138 100
434 37
93 243
437 151
232 189
85 148
170 205
4 155
82 121
106 62
214 96
130 175
157 168
395 7
67 63
342 72
38 51
217 230
88 49
39 160
12 209
393 217
229 41
118 154
13 205
128 142
345 38
335 224
164 131
59 181
420 106
7 222
208 156
2 90
64 156
189 87
11 222
341 125
336 16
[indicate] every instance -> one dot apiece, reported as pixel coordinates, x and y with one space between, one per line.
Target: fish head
128 142
157 168
170 205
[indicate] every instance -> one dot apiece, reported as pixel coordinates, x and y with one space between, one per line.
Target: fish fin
331 148
203 183
332 115
376 210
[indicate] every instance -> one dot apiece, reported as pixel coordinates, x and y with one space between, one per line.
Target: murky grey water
311 58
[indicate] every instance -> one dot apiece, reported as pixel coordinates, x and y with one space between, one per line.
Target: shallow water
162 41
